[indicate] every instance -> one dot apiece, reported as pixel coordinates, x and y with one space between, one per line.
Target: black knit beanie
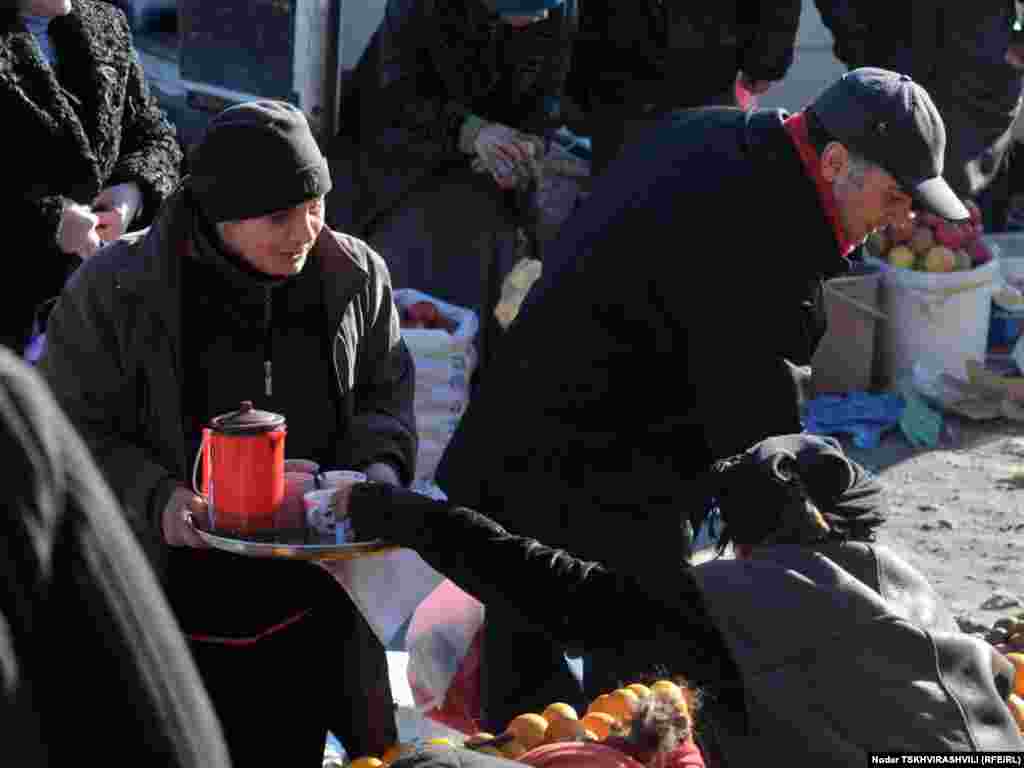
254 159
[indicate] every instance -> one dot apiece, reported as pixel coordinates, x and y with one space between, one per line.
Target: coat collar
153 274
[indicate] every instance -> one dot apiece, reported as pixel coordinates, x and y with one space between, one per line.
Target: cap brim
936 195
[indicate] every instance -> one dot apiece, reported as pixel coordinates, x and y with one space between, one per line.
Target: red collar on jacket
796 127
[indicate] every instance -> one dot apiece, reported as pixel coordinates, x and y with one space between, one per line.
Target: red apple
940 259
901 256
922 240
980 253
947 233
901 232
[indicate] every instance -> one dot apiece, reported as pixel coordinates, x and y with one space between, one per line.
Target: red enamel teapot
243 469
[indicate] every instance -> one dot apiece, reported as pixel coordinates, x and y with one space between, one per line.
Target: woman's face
46 7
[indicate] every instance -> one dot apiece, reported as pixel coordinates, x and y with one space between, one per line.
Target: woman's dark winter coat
87 124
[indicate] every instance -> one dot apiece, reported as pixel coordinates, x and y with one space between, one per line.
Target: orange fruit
1016 705
366 762
600 724
620 704
597 704
512 750
640 690
564 729
1017 659
559 711
528 729
589 735
394 752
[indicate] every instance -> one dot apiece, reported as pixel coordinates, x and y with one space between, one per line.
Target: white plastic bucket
938 319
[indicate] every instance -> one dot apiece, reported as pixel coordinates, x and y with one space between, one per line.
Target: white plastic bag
386 588
444 365
444 643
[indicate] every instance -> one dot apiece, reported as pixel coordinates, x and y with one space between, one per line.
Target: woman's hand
184 512
77 233
116 207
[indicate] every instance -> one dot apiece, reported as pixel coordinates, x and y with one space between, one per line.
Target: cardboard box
845 357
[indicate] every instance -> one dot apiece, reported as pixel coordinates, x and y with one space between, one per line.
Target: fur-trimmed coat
85 124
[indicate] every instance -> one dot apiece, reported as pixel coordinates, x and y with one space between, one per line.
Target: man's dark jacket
795 655
114 359
92 662
654 343
93 125
956 50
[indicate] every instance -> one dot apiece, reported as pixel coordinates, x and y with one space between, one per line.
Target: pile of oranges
609 714
1016 700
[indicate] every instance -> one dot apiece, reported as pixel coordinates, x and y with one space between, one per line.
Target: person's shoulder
102 17
358 250
112 260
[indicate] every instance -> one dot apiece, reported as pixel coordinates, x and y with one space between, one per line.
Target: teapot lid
247 419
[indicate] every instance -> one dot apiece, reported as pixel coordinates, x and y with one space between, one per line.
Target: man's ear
834 159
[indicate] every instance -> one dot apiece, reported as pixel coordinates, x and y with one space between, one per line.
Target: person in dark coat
441 120
98 155
635 62
238 292
958 52
665 329
92 662
791 653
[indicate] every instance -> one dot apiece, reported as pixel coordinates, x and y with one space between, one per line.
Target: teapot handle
195 464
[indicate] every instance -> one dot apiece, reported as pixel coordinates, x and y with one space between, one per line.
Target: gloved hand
503 151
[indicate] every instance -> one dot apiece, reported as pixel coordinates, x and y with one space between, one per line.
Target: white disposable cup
340 478
320 517
304 466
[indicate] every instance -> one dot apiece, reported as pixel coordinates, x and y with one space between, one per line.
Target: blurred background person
98 155
444 117
93 665
961 53
636 61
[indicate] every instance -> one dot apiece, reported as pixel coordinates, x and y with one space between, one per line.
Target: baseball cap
890 120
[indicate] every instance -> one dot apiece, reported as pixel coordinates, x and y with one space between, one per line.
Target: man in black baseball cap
891 121
674 308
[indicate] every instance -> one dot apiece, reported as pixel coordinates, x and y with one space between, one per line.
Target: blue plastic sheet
862 415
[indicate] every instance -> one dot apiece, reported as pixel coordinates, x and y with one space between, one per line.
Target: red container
243 469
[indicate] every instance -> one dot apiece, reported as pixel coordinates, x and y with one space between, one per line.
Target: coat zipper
268 344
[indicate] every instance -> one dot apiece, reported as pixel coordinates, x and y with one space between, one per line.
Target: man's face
868 197
279 243
47 7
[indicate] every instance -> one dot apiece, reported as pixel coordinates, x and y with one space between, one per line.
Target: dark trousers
523 670
277 698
